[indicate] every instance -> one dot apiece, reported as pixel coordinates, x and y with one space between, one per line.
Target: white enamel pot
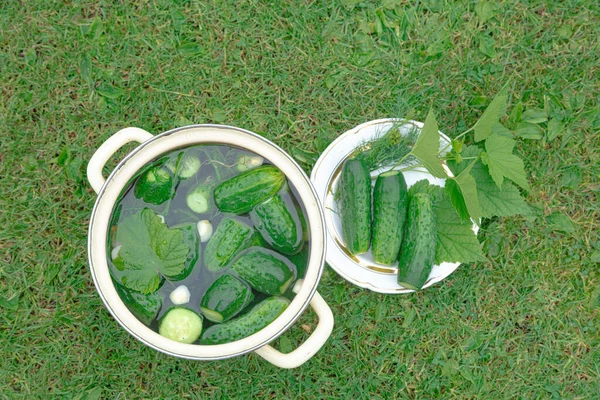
150 147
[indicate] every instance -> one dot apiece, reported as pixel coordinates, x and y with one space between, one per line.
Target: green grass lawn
525 324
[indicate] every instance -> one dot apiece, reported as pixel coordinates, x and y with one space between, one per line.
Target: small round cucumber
185 165
200 198
181 324
256 319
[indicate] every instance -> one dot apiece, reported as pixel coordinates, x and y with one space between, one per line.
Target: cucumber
418 248
277 225
200 198
145 307
184 165
256 319
154 186
265 270
389 216
190 236
225 298
181 324
354 191
243 192
230 237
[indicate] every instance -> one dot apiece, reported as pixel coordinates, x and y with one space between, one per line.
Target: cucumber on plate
354 191
389 216
417 255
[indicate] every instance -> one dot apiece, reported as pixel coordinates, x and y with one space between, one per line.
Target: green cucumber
200 198
354 191
190 236
278 225
230 237
184 165
243 192
181 324
145 307
154 186
389 216
418 248
265 270
256 319
225 298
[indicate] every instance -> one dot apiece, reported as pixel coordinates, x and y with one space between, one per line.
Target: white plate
362 270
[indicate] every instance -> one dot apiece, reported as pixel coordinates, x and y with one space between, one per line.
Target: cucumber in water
418 248
354 191
144 306
256 319
200 198
265 270
243 192
225 298
230 237
277 224
389 216
190 236
184 165
181 324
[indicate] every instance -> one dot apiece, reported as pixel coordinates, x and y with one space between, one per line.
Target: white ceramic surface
150 148
362 270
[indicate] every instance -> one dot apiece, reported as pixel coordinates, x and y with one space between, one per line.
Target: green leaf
456 241
110 92
85 68
96 29
149 249
11 303
560 222
555 129
484 11
527 130
493 200
427 147
502 163
93 394
515 114
487 45
595 257
491 115
501 130
457 199
468 189
534 116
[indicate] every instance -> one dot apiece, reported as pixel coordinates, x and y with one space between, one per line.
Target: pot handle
107 149
309 348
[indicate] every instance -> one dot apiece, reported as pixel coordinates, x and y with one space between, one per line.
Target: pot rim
179 138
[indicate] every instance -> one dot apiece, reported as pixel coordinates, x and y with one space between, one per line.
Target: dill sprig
390 147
